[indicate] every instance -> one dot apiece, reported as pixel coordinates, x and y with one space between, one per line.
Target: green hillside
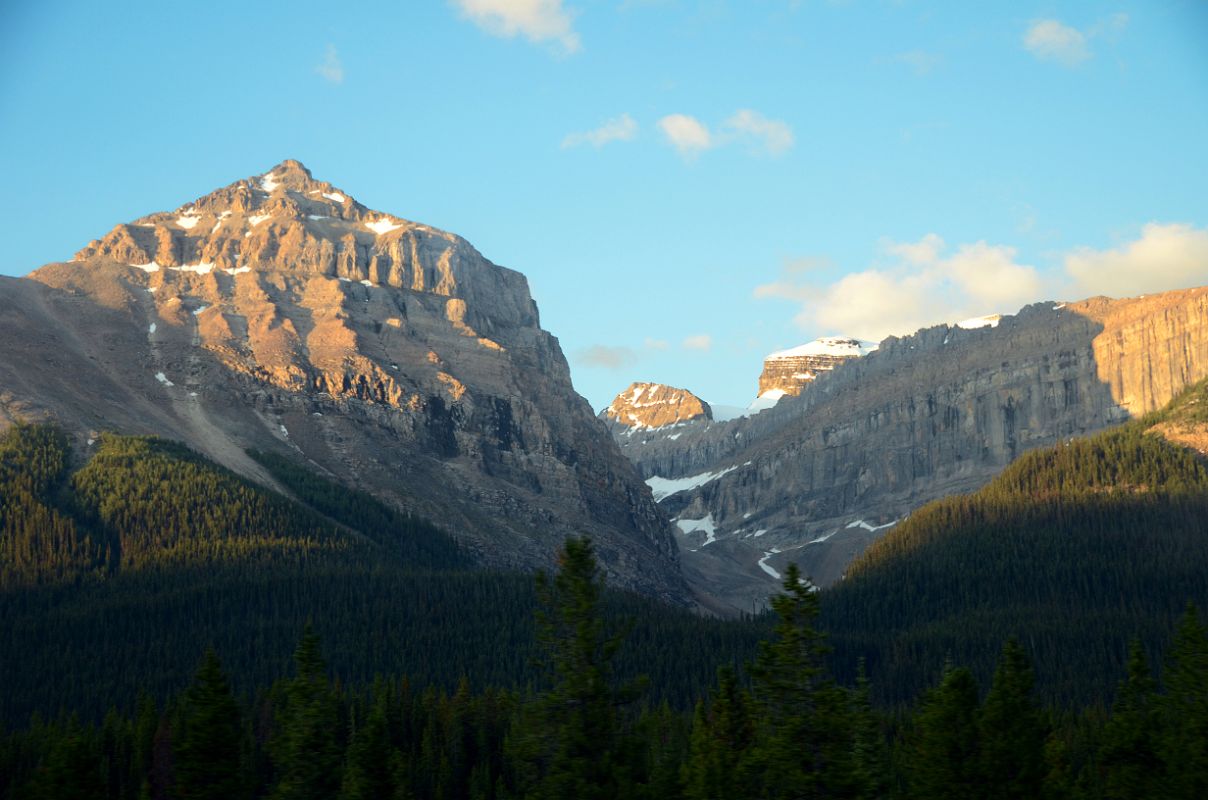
1074 550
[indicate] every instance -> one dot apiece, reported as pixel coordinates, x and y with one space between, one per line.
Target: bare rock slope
279 313
819 476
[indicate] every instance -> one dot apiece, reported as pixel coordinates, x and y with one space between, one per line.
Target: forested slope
115 576
1075 550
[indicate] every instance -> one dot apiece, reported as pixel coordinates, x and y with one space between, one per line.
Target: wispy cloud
607 356
769 136
762 135
539 21
620 129
701 341
687 134
1164 257
1053 40
331 69
655 344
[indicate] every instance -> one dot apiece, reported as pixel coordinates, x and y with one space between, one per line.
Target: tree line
781 727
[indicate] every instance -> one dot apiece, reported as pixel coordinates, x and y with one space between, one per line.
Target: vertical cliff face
281 314
819 476
788 371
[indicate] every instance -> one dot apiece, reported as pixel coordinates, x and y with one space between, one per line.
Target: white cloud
331 69
702 342
536 20
607 356
1053 40
655 344
923 287
1166 256
770 136
620 129
686 134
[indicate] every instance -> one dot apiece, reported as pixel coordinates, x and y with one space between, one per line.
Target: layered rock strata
279 313
819 476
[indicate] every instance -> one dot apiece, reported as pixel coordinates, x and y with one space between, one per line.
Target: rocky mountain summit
279 313
819 476
654 405
787 371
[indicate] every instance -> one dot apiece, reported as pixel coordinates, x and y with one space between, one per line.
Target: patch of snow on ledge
256 219
237 270
204 268
866 526
188 220
383 226
704 525
162 378
662 488
765 401
150 266
269 182
973 323
336 196
199 310
151 328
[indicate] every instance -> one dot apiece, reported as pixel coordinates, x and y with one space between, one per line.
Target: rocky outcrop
655 405
279 313
787 371
818 477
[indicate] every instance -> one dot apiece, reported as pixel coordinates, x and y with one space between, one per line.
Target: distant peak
653 405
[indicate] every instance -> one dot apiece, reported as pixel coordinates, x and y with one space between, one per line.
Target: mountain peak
654 405
282 220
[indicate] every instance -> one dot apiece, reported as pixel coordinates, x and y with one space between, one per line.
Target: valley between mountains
278 314
275 421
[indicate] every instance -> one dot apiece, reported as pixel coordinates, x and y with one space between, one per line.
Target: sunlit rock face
279 313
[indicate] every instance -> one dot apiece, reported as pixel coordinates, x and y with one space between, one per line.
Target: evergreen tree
367 771
722 735
208 744
870 751
1131 766
1184 710
575 736
306 752
1012 731
803 747
944 757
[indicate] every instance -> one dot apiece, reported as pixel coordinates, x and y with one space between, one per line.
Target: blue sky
687 185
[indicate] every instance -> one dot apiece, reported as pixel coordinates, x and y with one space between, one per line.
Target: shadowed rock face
279 313
818 477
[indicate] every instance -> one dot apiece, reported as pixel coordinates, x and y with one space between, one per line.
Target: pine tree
1012 731
306 752
803 747
1131 765
1184 710
367 771
575 737
722 735
208 744
870 752
944 758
